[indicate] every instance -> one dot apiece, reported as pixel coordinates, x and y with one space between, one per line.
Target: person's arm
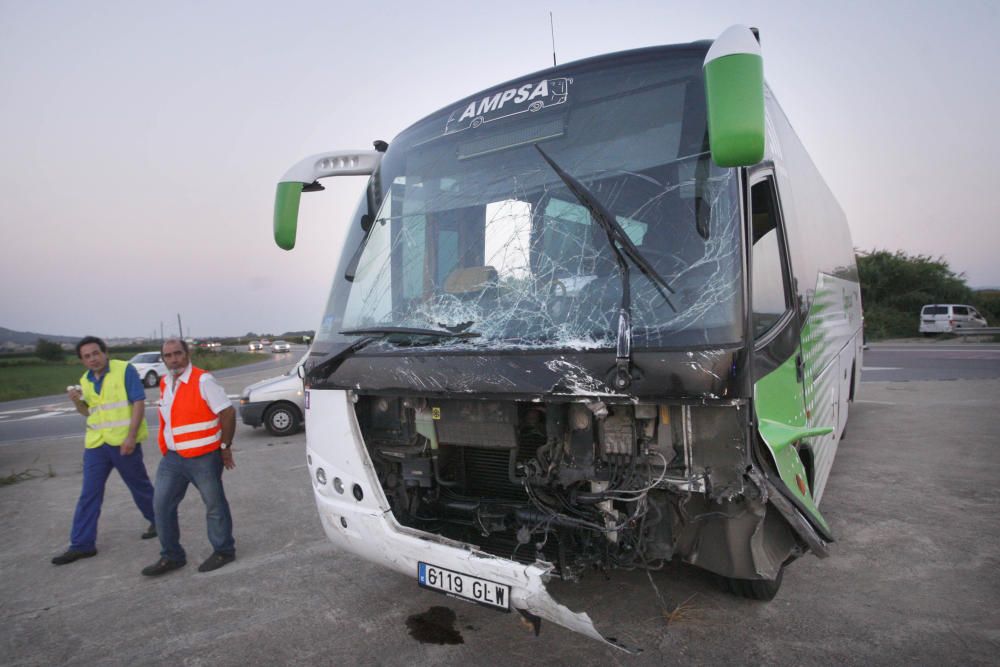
228 421
213 394
137 397
76 396
138 414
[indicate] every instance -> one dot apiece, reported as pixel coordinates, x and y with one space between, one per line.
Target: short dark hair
183 343
87 340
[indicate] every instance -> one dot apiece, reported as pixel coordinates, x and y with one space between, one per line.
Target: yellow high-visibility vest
110 411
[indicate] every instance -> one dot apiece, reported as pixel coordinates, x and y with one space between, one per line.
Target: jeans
97 465
172 479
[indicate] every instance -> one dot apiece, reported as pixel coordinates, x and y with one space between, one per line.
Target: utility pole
180 329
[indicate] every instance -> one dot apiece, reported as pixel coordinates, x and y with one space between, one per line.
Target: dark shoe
215 561
71 555
150 532
162 566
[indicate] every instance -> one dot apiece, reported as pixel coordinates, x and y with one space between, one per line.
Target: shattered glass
475 232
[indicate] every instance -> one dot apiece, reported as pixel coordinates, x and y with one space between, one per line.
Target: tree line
895 286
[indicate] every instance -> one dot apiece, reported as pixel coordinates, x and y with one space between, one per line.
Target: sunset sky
141 142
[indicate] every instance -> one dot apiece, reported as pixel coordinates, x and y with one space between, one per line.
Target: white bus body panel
334 443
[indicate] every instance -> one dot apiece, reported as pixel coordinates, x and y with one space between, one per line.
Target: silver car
281 346
275 403
150 366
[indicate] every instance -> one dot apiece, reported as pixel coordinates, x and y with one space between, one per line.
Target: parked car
947 317
265 341
281 346
150 366
255 345
276 403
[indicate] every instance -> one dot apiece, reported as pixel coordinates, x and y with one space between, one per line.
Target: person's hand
128 445
227 458
74 394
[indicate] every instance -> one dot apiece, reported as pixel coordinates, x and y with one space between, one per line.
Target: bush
987 302
46 350
894 286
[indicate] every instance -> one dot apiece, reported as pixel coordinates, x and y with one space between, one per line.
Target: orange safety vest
193 425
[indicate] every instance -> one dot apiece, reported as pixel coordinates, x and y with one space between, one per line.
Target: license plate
464 586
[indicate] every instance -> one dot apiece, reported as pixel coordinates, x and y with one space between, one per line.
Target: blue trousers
172 479
97 465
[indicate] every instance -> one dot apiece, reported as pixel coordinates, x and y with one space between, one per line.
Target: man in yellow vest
197 423
113 400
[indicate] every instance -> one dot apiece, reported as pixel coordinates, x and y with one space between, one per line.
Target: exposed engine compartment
585 484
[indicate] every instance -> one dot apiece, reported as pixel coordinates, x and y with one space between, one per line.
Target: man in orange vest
197 423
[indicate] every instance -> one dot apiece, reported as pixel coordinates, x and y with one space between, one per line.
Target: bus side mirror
304 177
734 94
286 214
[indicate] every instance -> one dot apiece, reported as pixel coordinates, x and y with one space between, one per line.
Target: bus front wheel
755 589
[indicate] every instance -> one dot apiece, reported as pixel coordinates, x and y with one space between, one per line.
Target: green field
27 377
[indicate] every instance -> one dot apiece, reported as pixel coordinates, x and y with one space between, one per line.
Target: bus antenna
552 29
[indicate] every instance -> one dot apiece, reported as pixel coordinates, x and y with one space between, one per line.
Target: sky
140 143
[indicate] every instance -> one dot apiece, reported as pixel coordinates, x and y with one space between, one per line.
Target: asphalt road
899 362
49 417
912 578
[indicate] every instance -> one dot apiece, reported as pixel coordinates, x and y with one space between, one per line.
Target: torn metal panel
365 525
707 377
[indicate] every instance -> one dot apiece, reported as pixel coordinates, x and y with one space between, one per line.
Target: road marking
15 412
40 416
880 368
40 437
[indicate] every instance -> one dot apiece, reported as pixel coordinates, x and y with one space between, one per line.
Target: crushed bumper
356 517
252 414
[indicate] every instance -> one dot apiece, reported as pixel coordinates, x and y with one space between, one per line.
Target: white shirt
211 392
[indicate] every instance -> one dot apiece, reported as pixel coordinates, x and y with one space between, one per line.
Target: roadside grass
27 377
213 361
38 379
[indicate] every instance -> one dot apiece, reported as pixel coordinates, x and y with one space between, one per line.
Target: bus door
779 385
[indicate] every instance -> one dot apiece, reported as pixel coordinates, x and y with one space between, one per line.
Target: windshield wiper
410 331
326 366
615 232
622 247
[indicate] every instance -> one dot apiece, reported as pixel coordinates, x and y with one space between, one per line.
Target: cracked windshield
476 232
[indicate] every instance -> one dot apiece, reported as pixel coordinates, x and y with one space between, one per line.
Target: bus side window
768 286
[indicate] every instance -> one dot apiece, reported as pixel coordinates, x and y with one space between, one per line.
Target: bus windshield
473 231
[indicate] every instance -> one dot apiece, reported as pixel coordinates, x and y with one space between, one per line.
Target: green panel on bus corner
286 214
781 419
734 91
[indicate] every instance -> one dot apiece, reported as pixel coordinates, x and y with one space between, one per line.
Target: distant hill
30 337
298 334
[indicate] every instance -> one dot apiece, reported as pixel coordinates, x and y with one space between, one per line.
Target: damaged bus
604 315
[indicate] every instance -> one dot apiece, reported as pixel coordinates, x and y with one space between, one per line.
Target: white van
947 317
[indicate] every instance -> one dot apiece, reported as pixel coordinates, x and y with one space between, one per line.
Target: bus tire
755 589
